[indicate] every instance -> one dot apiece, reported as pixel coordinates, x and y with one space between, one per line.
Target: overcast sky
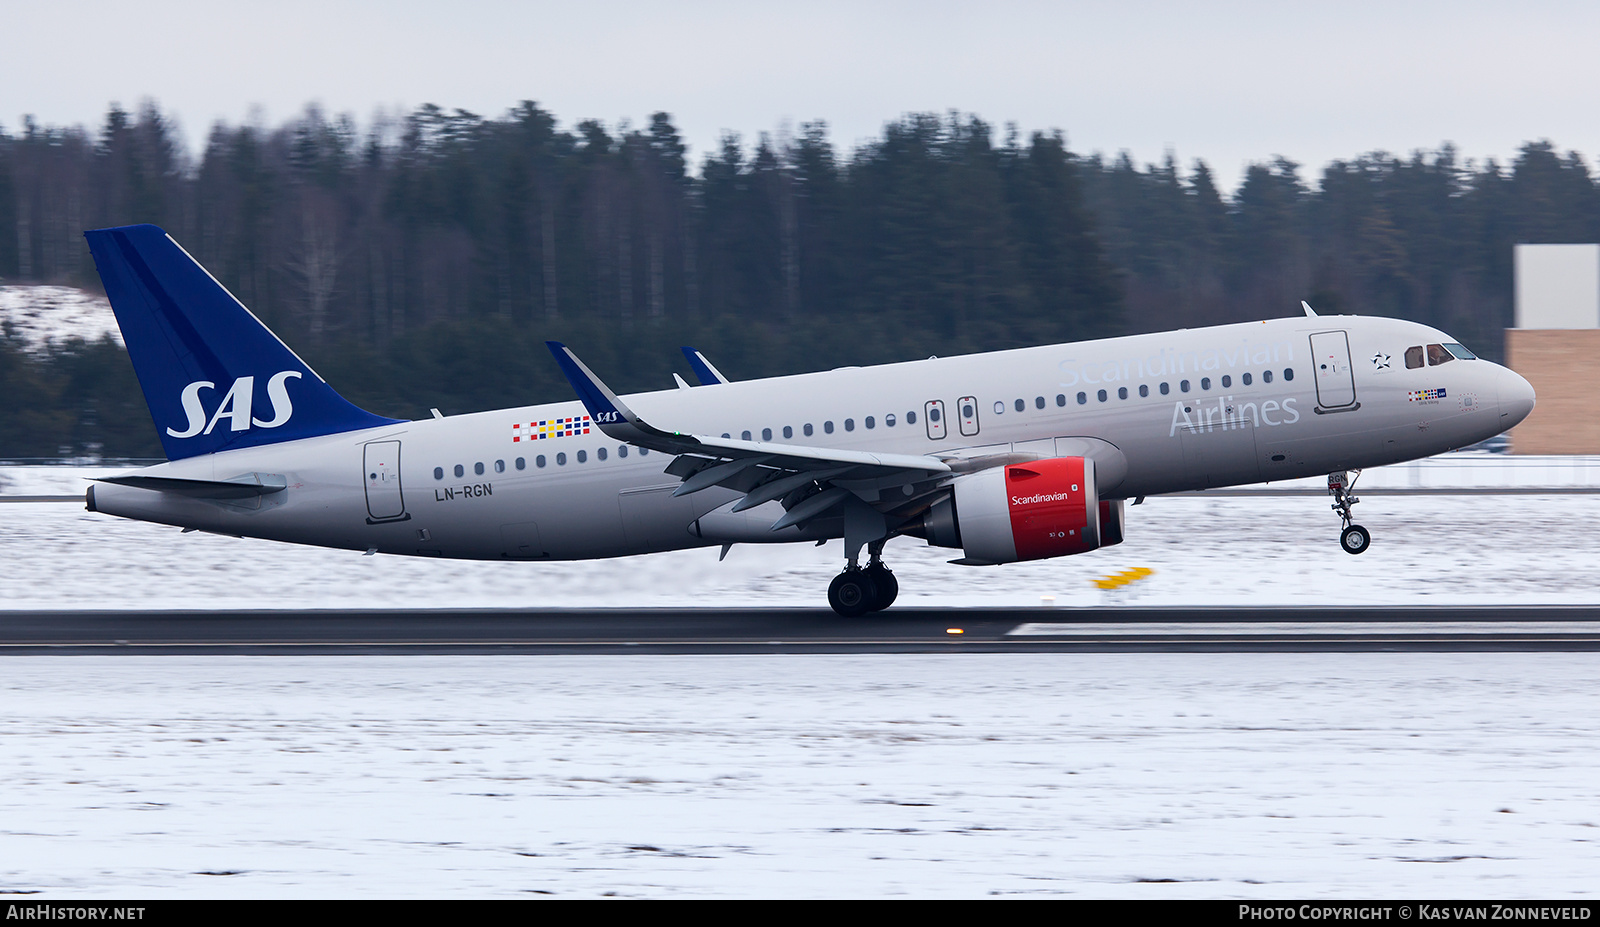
1229 82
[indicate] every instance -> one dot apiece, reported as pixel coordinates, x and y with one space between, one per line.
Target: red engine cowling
1029 511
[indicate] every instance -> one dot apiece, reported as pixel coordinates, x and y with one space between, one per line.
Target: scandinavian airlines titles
1226 415
1167 362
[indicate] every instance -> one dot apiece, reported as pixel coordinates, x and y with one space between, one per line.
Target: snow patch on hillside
41 315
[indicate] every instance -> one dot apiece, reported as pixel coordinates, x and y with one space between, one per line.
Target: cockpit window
1414 357
1438 355
1460 351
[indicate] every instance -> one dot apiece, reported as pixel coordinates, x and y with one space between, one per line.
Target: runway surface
724 630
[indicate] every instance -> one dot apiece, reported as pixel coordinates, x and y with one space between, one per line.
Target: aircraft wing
809 481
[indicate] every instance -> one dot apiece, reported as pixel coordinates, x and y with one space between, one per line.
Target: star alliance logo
1380 361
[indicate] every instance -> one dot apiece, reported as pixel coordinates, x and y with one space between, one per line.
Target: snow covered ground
1204 550
1100 775
55 313
1110 775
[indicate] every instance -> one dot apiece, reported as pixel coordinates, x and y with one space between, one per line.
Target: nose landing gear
856 591
1341 485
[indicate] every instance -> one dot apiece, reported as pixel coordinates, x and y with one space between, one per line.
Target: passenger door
1336 384
385 502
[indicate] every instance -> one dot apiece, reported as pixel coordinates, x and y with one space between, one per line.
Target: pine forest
422 262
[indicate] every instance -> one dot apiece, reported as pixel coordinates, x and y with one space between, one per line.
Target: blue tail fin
215 378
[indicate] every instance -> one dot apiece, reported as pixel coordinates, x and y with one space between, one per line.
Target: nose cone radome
1516 399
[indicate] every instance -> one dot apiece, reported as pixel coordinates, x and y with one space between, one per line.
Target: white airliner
1008 456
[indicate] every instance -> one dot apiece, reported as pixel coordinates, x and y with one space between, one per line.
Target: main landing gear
858 591
1341 485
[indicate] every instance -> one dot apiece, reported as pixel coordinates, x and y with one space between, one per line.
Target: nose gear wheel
1341 486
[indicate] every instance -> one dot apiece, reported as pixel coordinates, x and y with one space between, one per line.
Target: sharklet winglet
609 413
707 374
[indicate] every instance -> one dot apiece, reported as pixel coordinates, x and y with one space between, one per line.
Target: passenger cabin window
1021 405
438 473
1414 357
911 418
1438 355
522 463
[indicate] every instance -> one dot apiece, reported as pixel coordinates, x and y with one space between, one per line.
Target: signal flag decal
550 428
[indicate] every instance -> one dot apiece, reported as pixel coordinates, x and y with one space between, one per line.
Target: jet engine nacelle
1027 511
1110 522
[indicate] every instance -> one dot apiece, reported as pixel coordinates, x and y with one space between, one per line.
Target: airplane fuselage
1183 410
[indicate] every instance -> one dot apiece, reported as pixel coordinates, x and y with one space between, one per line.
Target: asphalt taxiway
725 630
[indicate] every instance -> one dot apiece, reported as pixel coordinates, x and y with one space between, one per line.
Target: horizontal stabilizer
240 487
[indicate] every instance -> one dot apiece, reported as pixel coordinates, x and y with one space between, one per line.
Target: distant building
1554 345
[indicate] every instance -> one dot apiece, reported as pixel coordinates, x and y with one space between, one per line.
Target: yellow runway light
1118 580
